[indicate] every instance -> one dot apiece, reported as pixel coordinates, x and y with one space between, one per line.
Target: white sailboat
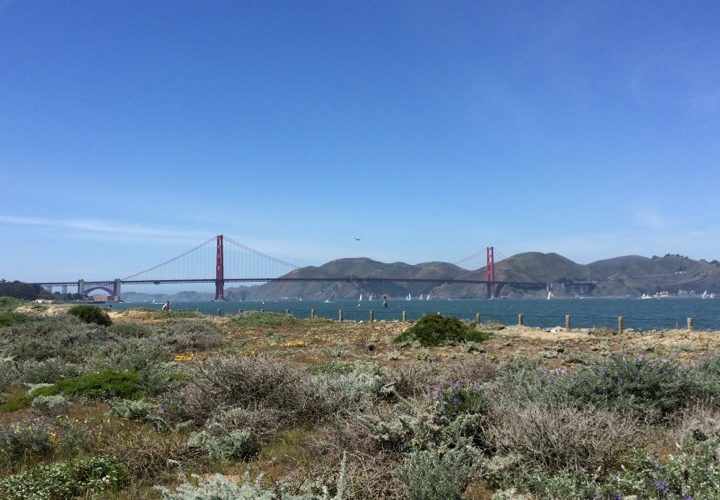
409 297
550 295
360 299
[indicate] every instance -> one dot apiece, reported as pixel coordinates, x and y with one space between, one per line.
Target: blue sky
132 131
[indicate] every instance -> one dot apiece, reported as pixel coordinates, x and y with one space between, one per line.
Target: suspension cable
253 251
170 260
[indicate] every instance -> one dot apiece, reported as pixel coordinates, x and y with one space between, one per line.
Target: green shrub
106 384
98 385
47 371
130 330
434 329
131 354
705 377
34 438
693 472
90 314
653 389
9 304
334 366
8 374
523 380
63 480
8 319
259 319
431 474
63 336
190 335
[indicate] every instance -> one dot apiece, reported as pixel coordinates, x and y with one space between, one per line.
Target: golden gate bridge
232 262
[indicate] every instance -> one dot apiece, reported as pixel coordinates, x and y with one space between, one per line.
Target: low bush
132 354
693 472
263 422
106 384
705 378
236 444
431 474
34 438
90 314
130 330
434 329
221 488
261 319
190 335
132 410
556 438
523 380
145 452
8 374
456 397
250 383
98 385
47 371
9 304
654 389
8 319
64 480
62 336
50 404
357 390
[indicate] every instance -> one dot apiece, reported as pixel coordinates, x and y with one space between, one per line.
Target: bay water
656 313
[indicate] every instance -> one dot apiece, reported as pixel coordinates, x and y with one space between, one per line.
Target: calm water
639 314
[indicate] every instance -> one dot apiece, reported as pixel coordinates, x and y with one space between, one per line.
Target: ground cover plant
264 405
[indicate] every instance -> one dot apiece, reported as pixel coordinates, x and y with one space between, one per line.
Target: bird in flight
357 239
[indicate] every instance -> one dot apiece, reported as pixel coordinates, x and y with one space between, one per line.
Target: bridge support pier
116 290
81 287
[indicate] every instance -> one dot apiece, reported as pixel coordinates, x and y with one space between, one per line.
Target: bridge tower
491 272
81 287
116 290
219 270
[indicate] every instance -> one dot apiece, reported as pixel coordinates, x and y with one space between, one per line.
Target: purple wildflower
661 487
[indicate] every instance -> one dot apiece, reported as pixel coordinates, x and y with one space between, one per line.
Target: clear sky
131 131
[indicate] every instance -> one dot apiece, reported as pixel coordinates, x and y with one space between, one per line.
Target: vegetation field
145 404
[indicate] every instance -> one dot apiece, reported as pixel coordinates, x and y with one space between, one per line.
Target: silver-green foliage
50 403
433 474
8 373
236 444
357 390
48 370
64 480
218 487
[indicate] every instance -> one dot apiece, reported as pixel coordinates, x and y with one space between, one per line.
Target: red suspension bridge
242 264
